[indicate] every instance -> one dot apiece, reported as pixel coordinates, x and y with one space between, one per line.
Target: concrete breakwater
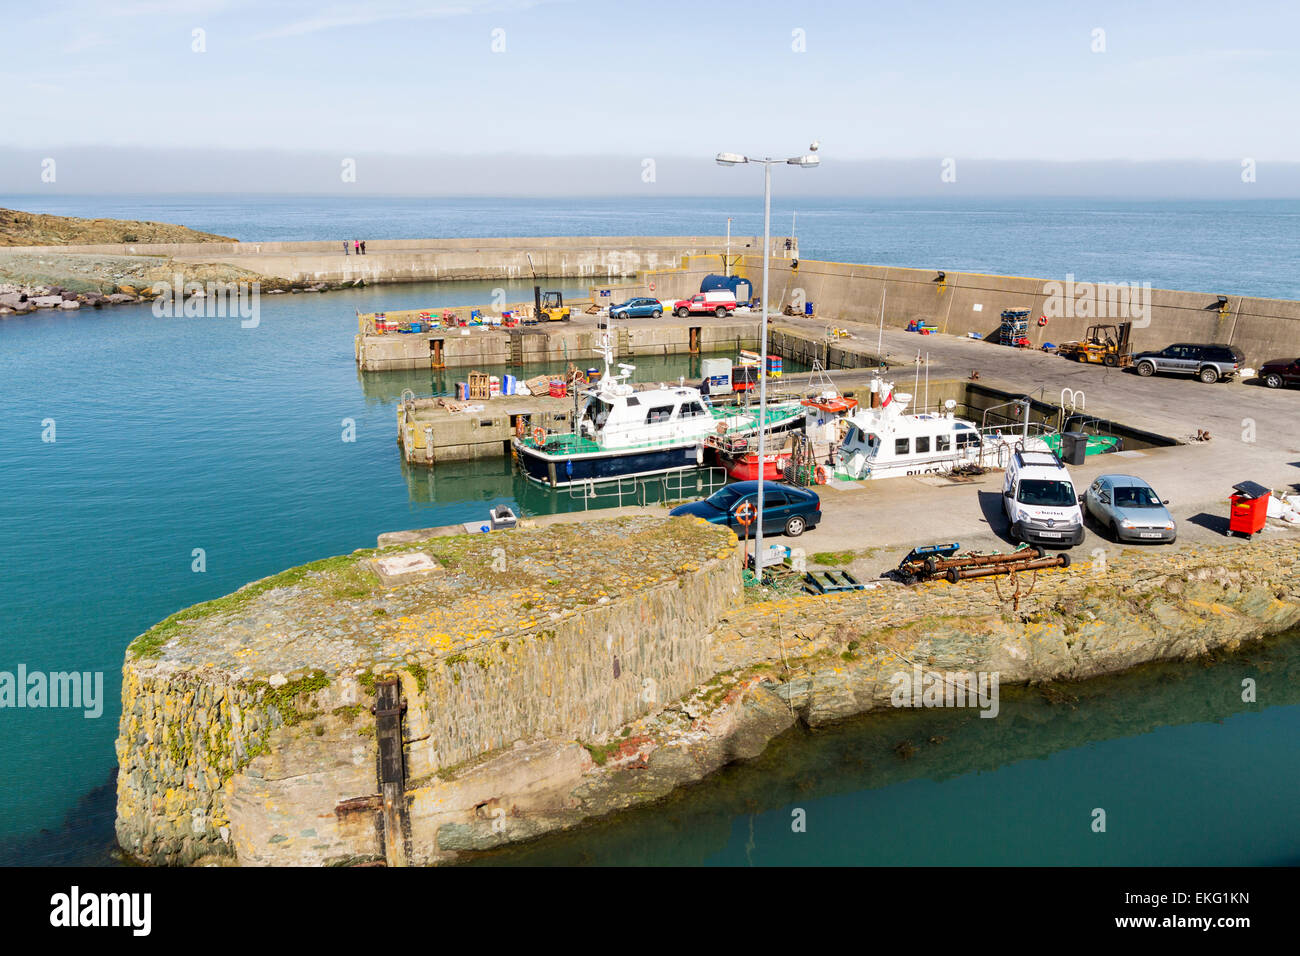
555 675
418 260
966 302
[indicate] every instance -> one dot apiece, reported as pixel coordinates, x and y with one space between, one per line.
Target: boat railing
671 486
997 442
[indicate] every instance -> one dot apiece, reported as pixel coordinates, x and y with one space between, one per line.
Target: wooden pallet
828 582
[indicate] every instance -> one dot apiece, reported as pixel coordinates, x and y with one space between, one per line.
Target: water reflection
944 781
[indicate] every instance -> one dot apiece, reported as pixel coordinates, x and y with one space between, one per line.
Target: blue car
786 509
637 309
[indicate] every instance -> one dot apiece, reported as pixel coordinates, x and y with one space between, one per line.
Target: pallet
829 582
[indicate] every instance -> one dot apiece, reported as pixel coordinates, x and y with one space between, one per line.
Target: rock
47 301
127 290
11 299
118 298
69 304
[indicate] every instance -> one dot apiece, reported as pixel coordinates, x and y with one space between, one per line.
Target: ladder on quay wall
516 348
624 342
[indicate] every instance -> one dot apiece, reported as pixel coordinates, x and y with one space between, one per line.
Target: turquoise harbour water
177 434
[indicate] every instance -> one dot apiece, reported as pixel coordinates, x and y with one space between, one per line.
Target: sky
563 96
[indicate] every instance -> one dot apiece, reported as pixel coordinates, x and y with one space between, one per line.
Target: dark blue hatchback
787 510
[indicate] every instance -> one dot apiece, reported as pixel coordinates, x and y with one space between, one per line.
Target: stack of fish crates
1015 327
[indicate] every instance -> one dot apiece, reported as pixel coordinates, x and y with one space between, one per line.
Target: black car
1210 363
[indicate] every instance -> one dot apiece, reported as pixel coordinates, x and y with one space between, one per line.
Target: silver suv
1209 363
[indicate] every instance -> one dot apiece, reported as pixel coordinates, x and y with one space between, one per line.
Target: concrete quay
577 340
1254 435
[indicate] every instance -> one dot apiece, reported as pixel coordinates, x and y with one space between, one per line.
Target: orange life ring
539 436
1042 320
745 513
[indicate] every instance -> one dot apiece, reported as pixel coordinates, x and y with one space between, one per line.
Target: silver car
1130 508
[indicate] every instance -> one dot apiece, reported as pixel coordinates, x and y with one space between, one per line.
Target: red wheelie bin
1249 508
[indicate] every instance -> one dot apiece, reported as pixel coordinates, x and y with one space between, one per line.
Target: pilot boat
884 441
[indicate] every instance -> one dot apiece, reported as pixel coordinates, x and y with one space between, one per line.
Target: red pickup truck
720 302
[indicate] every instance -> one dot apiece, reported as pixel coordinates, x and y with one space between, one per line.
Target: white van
1039 499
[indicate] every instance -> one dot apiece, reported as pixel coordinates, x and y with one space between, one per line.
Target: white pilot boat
884 441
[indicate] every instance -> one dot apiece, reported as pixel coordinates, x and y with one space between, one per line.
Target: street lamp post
726 259
807 162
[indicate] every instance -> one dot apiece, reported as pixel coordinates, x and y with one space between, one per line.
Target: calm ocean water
177 434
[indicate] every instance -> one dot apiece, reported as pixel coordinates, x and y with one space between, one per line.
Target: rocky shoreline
18 299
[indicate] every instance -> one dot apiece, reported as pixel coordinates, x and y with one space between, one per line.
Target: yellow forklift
1102 344
550 305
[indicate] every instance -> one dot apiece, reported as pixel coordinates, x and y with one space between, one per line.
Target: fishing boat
634 431
739 459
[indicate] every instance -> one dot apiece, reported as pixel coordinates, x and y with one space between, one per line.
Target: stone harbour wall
274 769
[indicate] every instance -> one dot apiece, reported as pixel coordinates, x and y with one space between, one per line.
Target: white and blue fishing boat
630 431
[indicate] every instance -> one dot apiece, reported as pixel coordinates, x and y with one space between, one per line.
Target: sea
149 463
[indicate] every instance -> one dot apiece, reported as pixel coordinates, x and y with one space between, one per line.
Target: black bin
1074 447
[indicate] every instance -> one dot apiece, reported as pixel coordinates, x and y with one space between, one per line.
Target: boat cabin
612 419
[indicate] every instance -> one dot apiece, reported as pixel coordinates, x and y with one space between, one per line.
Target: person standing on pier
356 246
345 247
363 247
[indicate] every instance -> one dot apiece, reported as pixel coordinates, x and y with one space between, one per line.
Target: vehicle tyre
1209 375
1065 560
952 576
683 313
1273 380
1039 551
1146 369
1114 531
795 526
1109 360
720 312
656 313
1014 531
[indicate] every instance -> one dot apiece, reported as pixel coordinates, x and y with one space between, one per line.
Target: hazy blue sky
629 81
